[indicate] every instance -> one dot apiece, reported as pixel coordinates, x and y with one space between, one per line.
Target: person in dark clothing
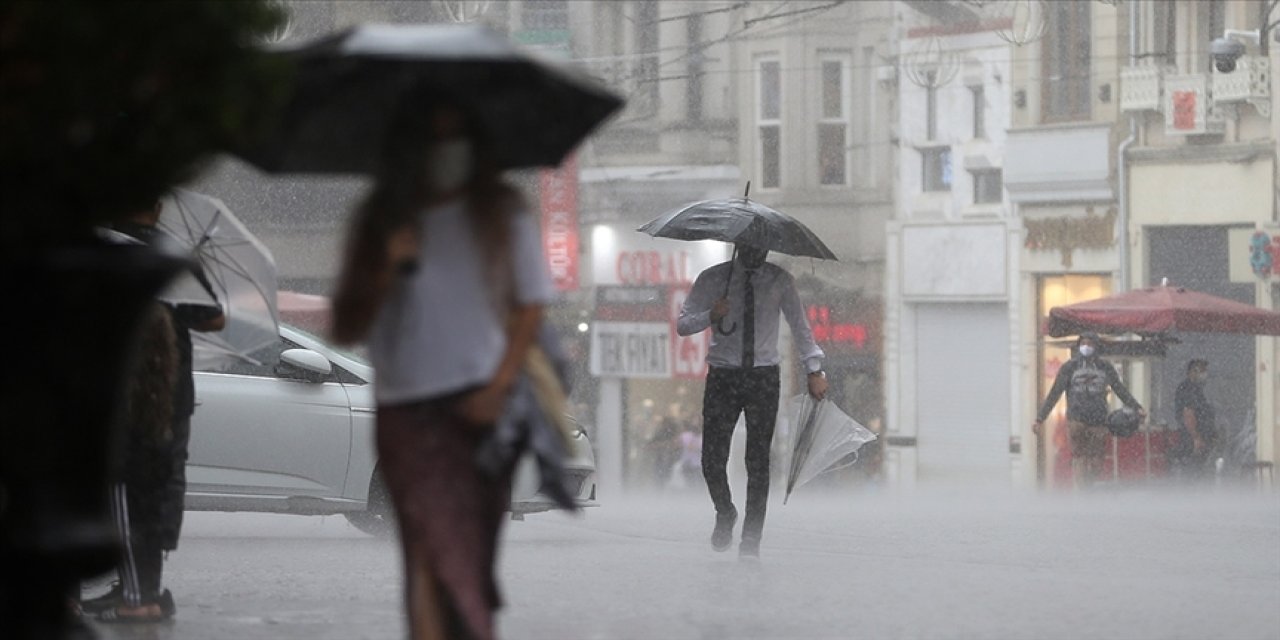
137 499
744 377
1197 435
168 503
1085 378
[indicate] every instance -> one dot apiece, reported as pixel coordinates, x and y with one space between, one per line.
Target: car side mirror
304 364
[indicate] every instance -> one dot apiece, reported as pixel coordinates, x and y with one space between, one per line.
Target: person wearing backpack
1085 379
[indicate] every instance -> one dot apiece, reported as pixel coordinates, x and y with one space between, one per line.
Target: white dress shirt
439 330
775 296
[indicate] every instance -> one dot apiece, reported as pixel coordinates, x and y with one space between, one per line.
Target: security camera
1225 52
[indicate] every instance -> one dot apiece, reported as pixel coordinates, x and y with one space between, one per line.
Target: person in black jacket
163 500
1197 435
1085 378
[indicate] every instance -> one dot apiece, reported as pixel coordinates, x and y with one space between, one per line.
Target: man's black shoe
167 605
749 549
722 536
114 596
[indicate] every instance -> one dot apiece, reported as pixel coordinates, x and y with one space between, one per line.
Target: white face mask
1086 350
450 164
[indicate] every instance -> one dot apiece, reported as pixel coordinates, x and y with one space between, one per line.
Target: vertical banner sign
559 194
688 353
1184 110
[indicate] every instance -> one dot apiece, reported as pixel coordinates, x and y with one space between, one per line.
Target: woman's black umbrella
350 86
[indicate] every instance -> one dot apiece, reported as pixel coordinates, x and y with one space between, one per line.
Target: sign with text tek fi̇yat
631 349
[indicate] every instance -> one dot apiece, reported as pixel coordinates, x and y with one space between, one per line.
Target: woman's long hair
399 195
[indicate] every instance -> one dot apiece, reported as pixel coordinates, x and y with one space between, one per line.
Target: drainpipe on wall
1122 172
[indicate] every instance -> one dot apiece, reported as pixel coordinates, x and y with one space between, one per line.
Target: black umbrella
350 85
740 221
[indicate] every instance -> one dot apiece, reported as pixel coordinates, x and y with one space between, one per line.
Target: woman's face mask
450 163
1087 350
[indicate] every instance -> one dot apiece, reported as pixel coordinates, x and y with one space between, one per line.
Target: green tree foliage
106 105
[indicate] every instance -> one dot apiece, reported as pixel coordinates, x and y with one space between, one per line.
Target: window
833 123
769 122
979 112
693 93
1065 50
1164 32
937 168
646 71
1210 19
931 109
988 186
545 14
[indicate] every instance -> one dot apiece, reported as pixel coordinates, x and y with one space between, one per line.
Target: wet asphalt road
1131 565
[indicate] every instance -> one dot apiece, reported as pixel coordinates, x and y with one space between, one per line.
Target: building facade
951 246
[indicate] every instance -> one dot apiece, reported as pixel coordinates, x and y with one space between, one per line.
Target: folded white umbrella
239 271
826 439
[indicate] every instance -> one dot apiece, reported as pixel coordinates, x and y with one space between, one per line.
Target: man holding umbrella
742 301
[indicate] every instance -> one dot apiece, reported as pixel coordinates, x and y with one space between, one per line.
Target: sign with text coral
558 189
631 349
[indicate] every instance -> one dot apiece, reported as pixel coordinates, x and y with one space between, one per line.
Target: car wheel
378 518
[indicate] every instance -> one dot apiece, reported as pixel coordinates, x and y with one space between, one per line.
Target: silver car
294 434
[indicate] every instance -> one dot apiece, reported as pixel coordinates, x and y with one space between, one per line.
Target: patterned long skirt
450 515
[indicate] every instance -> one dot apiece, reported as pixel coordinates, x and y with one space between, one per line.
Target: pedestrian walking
445 278
1197 434
1085 379
744 377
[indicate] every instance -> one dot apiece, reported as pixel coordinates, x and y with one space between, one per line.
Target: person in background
1197 435
744 377
1085 378
143 225
444 276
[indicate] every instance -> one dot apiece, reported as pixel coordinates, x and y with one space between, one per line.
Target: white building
949 294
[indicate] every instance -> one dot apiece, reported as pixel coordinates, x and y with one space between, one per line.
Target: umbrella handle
726 332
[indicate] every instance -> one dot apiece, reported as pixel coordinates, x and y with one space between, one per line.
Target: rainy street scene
640 319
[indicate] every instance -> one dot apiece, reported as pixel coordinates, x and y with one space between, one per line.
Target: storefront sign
1068 234
624 257
559 198
827 331
631 349
1255 255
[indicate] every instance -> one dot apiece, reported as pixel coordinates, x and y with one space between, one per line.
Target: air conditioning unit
1187 107
1140 88
1250 82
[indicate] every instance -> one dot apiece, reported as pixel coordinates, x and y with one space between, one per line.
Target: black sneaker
749 549
167 605
722 536
114 596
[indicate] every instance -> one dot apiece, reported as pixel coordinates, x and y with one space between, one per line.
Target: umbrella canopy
739 220
1162 309
824 440
350 86
239 270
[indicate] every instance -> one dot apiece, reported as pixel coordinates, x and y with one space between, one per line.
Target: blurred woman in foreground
444 278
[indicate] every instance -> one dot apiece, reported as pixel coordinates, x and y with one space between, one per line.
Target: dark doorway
1197 258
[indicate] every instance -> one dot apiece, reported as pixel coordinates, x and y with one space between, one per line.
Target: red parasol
1162 309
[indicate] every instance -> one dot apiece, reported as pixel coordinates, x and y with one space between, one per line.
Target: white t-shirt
439 330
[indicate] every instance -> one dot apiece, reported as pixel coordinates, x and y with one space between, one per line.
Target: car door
258 432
